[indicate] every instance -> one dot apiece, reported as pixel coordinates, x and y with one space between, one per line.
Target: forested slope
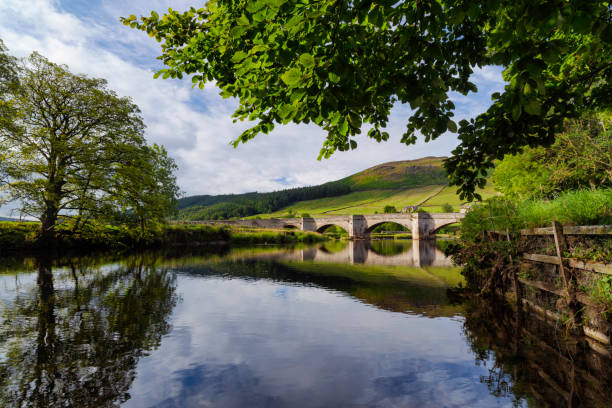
400 175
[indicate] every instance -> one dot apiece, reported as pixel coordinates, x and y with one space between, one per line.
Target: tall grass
582 207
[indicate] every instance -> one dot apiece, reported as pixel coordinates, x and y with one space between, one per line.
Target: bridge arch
372 225
442 225
322 228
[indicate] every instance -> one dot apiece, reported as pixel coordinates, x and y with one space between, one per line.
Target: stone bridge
421 225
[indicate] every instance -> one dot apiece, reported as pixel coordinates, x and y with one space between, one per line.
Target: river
345 324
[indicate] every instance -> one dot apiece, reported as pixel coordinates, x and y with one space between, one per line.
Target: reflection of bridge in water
421 253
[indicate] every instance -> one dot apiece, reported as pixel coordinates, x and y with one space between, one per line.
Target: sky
195 125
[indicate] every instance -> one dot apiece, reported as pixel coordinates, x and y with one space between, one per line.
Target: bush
305 215
17 235
447 208
389 209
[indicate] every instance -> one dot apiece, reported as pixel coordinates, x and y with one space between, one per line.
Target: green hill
399 184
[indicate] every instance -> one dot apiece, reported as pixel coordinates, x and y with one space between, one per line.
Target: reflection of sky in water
255 343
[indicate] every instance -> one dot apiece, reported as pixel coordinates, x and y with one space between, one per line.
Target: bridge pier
423 225
359 227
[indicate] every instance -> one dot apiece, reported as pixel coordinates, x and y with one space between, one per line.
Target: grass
582 207
17 235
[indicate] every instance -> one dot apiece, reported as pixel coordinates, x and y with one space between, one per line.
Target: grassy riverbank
24 236
491 247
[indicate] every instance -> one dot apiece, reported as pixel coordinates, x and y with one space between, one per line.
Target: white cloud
195 125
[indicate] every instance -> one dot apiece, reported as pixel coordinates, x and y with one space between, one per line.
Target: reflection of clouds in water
226 385
247 345
281 292
342 382
423 383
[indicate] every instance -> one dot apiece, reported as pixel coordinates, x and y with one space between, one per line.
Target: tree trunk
48 222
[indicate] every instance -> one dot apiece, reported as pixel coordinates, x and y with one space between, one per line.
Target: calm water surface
348 324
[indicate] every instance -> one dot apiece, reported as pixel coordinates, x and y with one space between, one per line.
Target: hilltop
399 183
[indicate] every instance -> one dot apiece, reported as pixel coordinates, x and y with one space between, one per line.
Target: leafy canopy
72 147
344 64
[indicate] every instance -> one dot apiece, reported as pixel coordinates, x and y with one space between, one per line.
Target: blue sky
194 124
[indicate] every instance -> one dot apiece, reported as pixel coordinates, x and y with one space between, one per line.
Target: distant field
374 201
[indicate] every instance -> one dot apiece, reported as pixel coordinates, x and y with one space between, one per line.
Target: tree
8 80
581 157
147 189
71 146
390 209
8 73
446 207
342 64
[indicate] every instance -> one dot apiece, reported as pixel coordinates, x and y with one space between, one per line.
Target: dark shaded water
359 325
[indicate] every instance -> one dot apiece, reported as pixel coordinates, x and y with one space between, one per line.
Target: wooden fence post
560 245
517 289
566 275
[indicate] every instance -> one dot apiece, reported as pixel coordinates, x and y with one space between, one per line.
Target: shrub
447 208
389 209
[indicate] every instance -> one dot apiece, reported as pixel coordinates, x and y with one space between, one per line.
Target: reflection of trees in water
389 247
528 359
424 295
76 341
333 246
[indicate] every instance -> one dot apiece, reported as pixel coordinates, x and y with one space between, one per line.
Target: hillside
399 183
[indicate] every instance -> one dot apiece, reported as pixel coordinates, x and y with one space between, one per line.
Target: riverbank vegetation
542 185
25 236
566 184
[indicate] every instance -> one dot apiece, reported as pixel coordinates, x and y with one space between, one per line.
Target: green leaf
238 31
354 120
582 23
307 61
452 126
533 107
239 56
292 77
243 20
516 112
294 21
254 6
287 111
343 127
335 78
